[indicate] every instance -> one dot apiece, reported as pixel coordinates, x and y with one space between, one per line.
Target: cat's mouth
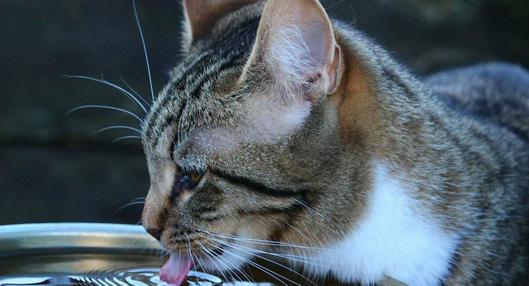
214 258
198 247
176 269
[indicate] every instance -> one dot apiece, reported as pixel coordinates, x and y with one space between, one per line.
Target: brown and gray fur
460 138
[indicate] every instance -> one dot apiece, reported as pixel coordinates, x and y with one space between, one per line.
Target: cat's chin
231 258
226 259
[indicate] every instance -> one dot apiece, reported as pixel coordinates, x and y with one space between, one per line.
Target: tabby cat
286 133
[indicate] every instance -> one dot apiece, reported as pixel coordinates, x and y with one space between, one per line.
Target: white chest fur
393 239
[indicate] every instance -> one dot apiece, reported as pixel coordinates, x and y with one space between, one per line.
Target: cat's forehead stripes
204 63
186 102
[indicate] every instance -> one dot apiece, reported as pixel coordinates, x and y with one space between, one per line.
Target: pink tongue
175 270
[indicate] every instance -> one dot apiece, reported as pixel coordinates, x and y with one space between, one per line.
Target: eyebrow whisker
95 106
129 86
144 48
125 138
108 83
117 128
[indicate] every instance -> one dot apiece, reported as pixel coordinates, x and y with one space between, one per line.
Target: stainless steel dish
83 254
94 254
75 248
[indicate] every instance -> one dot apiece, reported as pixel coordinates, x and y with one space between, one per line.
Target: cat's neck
435 149
380 101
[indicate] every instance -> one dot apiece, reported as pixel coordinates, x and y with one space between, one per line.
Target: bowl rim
64 238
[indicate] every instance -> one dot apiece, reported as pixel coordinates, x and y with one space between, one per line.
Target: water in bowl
86 254
122 277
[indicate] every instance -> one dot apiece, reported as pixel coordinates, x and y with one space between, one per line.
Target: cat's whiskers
230 267
137 201
161 253
138 23
314 211
129 86
239 269
195 261
189 250
118 127
253 252
198 259
133 98
105 107
158 252
299 258
307 237
246 277
225 264
133 95
126 138
264 269
304 259
213 260
144 245
261 241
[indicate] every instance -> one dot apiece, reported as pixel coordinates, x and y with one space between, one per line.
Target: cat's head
243 144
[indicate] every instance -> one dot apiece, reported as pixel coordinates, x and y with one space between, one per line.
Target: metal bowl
93 254
75 248
82 254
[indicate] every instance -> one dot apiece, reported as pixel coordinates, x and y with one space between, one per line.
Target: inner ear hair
296 45
324 83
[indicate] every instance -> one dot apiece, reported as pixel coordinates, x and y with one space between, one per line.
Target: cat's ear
201 15
296 46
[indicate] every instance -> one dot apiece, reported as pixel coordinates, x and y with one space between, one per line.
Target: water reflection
123 277
88 254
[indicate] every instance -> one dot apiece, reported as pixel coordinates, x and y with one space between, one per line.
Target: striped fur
302 169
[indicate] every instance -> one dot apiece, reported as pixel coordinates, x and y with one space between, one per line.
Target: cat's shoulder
491 77
497 92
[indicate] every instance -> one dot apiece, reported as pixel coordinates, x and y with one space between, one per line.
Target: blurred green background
53 167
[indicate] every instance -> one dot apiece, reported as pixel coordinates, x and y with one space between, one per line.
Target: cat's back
498 92
496 95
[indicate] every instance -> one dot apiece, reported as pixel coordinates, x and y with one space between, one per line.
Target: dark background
53 168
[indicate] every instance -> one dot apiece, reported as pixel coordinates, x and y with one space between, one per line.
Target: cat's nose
155 232
154 214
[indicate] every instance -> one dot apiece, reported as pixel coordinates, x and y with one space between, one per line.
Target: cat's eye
195 177
187 181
